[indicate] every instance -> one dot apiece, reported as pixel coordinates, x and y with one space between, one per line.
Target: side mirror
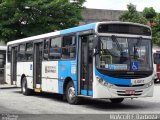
95 42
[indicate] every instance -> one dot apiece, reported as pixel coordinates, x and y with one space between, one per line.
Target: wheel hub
71 92
24 88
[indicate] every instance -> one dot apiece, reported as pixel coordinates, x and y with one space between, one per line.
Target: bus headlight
149 84
103 82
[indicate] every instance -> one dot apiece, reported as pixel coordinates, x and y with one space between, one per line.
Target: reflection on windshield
124 54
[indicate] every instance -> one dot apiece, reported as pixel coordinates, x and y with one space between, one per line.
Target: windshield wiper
113 37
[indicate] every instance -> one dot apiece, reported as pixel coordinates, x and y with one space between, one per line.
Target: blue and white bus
110 60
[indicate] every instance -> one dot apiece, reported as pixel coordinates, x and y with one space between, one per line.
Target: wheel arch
66 81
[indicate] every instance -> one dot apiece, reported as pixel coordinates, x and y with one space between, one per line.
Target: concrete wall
97 15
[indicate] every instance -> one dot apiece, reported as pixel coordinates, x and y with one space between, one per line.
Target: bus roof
70 30
3 47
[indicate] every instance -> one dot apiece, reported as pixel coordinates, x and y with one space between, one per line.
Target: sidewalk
7 86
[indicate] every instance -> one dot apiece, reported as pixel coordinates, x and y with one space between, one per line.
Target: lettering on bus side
50 69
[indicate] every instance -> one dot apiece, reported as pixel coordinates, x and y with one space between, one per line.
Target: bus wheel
70 94
116 100
24 88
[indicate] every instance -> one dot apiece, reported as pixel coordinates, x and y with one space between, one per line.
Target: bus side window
29 51
21 52
9 54
55 48
45 50
69 47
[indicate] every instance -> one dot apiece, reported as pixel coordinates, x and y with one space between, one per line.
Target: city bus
103 60
156 64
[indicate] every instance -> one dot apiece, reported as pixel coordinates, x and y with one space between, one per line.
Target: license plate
130 92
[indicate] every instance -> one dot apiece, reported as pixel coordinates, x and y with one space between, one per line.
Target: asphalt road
14 103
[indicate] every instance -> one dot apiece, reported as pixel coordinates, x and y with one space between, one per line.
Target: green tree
156 29
26 18
149 14
131 15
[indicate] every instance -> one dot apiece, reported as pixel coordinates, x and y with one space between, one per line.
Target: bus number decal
30 66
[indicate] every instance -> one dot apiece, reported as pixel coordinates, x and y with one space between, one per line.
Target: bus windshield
129 54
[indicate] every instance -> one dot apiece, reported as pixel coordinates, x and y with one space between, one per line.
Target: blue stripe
77 29
112 80
84 92
65 68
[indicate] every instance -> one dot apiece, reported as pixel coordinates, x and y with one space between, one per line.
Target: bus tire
116 100
70 94
24 89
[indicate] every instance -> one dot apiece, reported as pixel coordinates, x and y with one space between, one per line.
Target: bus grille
140 85
122 93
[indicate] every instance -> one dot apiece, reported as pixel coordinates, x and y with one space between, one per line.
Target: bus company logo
50 69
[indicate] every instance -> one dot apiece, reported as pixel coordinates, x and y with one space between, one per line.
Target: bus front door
37 64
13 65
86 66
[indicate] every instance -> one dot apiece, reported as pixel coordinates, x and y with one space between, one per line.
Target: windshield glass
131 54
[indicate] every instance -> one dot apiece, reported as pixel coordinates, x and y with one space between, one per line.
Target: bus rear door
37 64
13 65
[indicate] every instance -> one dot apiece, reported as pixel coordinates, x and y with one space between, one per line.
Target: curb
7 86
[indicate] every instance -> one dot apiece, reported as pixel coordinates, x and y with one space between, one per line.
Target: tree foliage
26 18
149 13
156 30
131 15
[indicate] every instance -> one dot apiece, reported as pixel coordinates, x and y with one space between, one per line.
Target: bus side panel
50 76
28 71
8 73
20 72
66 69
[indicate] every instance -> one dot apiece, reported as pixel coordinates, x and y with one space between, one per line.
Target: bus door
86 66
13 65
37 65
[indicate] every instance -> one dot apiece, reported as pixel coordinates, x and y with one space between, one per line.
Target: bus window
2 60
29 51
21 52
9 54
69 47
55 48
45 51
